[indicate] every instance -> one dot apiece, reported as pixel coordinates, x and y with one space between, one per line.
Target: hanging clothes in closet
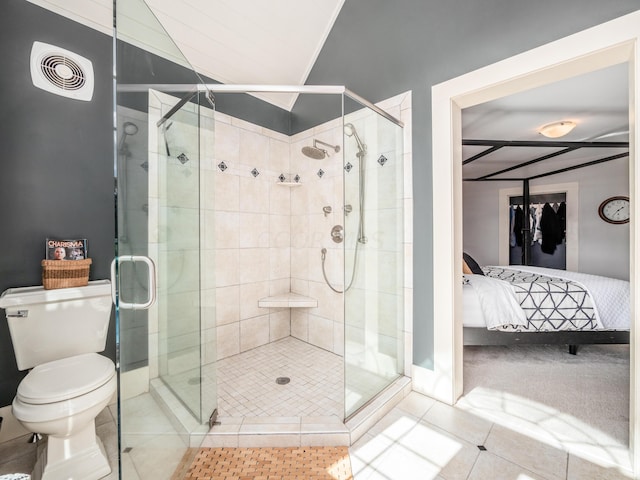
550 229
536 217
561 213
546 239
518 224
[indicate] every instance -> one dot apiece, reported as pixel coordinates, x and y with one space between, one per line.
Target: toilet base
79 458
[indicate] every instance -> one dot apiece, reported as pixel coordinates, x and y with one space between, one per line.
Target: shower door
166 387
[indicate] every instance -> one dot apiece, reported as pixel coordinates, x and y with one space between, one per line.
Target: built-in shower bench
288 300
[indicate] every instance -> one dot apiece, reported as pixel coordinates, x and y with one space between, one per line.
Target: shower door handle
115 282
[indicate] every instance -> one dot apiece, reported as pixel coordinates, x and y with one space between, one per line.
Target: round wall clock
615 210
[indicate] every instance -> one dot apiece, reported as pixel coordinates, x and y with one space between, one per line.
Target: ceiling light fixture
557 129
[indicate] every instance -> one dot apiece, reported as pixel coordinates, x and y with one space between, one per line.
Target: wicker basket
65 273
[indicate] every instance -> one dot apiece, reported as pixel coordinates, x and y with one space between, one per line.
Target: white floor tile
458 422
538 457
489 466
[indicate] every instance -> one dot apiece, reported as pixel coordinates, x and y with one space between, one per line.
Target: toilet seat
64 387
65 379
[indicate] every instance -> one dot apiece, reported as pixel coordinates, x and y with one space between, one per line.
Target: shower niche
289 180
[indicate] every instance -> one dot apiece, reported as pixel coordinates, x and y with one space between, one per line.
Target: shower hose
353 270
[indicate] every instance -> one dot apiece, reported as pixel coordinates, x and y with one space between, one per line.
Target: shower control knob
337 234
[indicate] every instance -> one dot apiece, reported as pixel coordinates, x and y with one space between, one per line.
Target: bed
534 305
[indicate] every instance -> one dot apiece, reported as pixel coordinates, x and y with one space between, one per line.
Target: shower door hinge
211 98
213 417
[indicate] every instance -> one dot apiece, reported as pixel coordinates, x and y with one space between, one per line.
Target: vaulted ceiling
230 41
277 42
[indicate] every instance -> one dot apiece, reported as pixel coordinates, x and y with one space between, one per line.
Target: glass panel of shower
166 389
175 181
308 207
277 238
373 254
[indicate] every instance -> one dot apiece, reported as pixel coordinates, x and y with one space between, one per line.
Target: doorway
535 385
599 47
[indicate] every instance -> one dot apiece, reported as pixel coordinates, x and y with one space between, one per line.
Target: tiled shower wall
261 238
269 236
311 232
252 226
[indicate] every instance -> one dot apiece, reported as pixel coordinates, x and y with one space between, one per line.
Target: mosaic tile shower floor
247 382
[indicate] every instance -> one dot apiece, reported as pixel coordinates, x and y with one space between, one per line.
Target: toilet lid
66 378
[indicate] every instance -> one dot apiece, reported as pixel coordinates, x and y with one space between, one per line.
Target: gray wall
379 48
56 175
56 172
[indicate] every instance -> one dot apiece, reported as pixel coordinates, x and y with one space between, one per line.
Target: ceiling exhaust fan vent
61 72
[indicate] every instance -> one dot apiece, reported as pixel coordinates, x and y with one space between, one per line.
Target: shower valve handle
337 234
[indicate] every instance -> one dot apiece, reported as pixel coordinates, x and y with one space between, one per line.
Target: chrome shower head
350 131
319 153
315 153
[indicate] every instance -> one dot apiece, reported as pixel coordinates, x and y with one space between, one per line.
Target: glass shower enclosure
174 146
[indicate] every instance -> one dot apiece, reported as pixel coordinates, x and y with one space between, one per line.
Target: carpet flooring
297 463
592 386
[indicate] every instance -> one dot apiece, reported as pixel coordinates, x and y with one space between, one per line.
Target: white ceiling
597 102
272 42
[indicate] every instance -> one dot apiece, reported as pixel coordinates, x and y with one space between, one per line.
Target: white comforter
498 302
500 307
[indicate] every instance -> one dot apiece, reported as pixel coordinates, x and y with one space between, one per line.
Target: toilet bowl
57 334
62 399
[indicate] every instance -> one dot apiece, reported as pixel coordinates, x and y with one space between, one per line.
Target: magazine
66 249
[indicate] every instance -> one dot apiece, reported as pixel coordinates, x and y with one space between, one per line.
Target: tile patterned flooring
424 439
419 439
247 382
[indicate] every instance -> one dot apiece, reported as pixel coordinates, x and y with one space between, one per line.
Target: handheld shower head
350 131
319 153
128 129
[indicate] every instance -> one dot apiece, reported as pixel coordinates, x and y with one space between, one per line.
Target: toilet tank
48 325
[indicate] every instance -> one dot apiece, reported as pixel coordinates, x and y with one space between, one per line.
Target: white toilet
58 333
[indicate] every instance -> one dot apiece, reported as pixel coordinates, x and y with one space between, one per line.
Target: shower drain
282 380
